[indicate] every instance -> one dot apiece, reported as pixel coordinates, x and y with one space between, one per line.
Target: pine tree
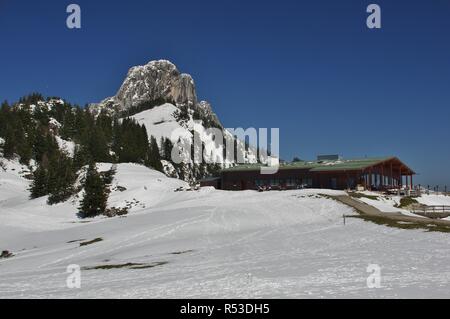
81 125
61 177
39 183
153 157
80 157
167 147
4 117
9 147
44 143
24 149
97 145
95 194
68 130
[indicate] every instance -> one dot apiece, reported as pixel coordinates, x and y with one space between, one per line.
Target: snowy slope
160 122
434 199
140 187
213 243
66 146
390 203
12 181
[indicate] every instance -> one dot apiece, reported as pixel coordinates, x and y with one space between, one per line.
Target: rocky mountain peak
156 81
154 84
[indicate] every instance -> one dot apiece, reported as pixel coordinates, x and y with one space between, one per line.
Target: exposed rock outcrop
156 80
147 84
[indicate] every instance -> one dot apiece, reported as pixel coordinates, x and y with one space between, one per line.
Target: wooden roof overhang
396 165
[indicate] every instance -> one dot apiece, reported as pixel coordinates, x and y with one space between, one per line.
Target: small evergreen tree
167 147
9 147
80 157
154 158
61 179
97 145
39 184
95 194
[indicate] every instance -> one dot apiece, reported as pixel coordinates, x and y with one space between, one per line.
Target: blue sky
311 68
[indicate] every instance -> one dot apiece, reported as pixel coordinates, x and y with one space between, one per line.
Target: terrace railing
433 211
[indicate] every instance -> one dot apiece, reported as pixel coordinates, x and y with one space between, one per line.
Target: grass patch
403 224
359 195
182 252
407 201
127 265
146 266
398 221
75 241
85 243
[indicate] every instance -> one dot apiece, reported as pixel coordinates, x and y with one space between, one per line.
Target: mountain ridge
151 84
156 96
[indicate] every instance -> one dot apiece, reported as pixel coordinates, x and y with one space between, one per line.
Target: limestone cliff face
156 80
206 110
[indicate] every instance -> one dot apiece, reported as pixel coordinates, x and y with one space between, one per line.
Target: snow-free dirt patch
90 242
127 266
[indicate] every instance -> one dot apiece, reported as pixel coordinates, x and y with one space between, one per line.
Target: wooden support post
348 180
374 177
364 178
377 181
391 177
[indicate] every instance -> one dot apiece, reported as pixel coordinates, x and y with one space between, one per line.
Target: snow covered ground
389 203
433 199
134 186
211 243
385 204
67 146
161 121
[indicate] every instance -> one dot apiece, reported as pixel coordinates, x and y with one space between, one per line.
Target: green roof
318 166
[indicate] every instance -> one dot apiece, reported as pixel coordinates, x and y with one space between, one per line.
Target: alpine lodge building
329 171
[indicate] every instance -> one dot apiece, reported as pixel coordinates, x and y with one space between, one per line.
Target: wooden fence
434 211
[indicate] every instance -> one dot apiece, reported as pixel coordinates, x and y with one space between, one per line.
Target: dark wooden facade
384 174
215 182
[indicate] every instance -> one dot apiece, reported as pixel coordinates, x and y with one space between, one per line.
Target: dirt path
368 210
